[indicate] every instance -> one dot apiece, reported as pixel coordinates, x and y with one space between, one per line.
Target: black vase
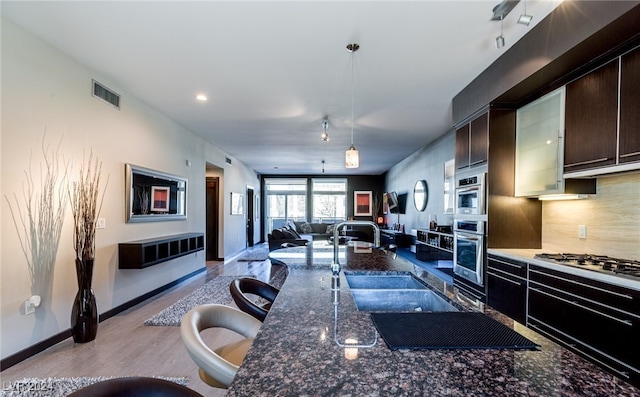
84 314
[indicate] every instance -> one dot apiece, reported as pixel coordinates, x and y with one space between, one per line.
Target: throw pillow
305 228
277 234
331 228
288 234
292 225
295 233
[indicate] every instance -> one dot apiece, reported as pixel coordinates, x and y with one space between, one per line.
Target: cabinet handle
587 162
504 278
625 374
625 322
630 154
509 264
582 284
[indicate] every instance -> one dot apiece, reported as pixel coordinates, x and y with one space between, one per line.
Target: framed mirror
153 195
420 195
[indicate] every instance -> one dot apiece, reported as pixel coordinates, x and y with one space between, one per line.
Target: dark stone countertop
296 354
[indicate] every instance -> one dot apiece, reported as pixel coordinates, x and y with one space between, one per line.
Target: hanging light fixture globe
352 157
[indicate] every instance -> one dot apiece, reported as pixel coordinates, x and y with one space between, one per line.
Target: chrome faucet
335 266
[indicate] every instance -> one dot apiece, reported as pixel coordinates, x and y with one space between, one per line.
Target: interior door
250 216
212 218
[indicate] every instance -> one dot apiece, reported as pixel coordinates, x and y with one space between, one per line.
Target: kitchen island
300 350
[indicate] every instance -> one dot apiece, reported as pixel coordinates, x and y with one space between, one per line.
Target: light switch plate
101 223
582 231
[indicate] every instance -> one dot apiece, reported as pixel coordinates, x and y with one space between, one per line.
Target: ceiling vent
227 160
102 92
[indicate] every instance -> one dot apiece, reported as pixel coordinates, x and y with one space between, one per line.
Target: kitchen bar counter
298 350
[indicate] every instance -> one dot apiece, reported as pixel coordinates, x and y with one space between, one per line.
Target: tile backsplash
611 217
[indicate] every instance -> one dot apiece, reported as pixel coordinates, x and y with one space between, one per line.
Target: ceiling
273 71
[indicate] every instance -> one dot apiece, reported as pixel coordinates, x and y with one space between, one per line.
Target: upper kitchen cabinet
630 107
591 120
539 133
603 119
472 143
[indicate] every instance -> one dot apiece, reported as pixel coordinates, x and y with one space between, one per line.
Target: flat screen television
392 201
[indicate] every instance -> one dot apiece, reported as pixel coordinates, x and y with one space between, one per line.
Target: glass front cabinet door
539 146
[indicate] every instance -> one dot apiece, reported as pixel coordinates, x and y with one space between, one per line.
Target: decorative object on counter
433 222
420 195
40 224
86 203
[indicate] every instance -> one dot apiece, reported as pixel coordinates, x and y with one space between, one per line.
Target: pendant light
325 127
352 157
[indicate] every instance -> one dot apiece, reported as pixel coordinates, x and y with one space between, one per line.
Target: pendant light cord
352 95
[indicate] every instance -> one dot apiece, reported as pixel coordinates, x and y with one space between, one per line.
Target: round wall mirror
420 195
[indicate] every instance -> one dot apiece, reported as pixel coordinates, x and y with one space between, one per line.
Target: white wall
43 89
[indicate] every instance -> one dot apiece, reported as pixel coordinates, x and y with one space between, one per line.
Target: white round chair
217 367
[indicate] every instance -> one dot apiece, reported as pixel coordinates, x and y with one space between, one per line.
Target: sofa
298 233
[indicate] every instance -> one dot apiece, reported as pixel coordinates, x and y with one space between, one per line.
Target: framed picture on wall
236 204
159 199
362 203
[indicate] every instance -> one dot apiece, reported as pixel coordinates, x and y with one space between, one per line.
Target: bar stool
239 289
217 367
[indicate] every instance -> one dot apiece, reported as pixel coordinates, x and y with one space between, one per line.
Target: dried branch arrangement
39 225
84 195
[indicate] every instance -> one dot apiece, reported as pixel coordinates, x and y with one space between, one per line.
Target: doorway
250 215
213 216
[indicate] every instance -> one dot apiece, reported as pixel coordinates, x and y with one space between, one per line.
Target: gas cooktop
621 267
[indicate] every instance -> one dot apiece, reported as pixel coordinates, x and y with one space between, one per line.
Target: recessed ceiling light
201 97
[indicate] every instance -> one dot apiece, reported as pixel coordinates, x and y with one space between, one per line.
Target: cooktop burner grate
625 267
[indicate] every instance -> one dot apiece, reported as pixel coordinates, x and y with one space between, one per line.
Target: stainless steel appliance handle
467 238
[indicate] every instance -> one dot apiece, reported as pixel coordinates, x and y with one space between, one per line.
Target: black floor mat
447 330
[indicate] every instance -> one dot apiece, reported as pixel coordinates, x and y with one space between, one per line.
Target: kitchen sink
394 293
377 281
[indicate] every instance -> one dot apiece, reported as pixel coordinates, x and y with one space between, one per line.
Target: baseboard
30 351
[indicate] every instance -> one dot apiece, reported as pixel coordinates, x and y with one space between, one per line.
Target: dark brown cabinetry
591 114
507 287
144 253
597 320
472 142
630 107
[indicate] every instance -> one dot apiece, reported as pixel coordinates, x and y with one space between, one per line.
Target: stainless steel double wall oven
469 231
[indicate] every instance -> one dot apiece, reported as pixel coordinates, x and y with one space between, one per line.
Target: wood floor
125 347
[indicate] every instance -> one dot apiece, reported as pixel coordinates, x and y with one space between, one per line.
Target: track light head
525 19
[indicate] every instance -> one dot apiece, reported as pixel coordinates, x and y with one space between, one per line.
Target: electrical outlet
29 308
582 231
101 223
